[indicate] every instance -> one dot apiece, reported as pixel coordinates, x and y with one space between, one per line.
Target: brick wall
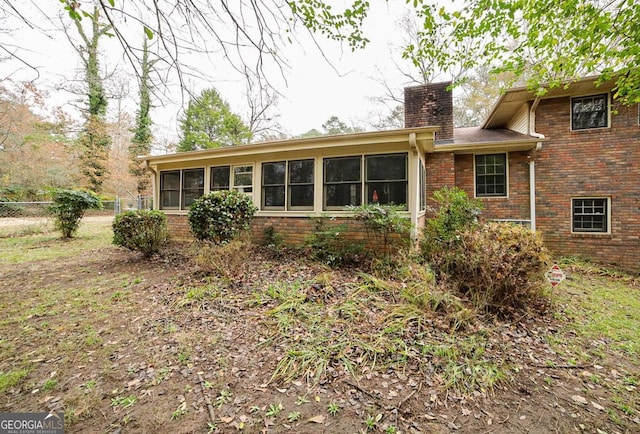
589 163
514 207
294 231
429 105
441 172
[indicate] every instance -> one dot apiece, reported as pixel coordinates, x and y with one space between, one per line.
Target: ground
126 344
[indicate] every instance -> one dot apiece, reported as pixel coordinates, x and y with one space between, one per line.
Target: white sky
314 89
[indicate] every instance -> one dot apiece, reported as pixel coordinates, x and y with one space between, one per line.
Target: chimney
430 105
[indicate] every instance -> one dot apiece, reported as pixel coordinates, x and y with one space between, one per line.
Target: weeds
124 401
11 378
333 408
274 410
223 398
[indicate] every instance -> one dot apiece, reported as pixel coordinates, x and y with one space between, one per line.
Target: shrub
329 245
384 221
500 267
220 216
142 231
227 261
69 207
455 213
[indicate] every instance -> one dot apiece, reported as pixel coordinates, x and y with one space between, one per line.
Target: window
590 215
288 182
243 179
589 112
342 182
220 178
386 179
491 175
179 188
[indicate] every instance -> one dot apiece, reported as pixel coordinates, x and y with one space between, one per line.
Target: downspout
532 163
153 182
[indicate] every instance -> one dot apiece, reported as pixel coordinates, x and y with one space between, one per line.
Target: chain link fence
22 210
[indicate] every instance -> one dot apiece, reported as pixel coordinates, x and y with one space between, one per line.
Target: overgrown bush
456 212
220 216
500 267
329 245
69 207
143 231
227 261
383 221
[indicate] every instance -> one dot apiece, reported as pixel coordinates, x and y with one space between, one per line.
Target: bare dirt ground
112 340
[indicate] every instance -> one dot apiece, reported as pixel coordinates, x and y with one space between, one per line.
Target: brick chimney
430 105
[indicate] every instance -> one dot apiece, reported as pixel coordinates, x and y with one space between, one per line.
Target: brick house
566 164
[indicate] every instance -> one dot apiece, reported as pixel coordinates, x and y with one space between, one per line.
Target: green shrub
383 221
455 213
500 267
69 207
220 216
329 245
142 231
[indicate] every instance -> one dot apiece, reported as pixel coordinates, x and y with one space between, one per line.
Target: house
565 164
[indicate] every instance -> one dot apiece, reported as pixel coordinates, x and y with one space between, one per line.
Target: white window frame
608 215
181 187
607 96
506 177
287 186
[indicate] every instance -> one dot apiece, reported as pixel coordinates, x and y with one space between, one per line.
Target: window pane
342 169
589 112
273 173
220 178
340 195
170 199
387 193
243 176
170 180
301 196
193 179
189 196
386 167
590 215
273 196
301 172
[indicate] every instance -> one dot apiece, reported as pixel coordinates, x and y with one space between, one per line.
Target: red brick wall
441 172
516 205
589 163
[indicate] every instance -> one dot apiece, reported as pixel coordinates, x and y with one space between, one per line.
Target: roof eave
507 146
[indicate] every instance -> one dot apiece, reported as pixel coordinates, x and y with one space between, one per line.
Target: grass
11 378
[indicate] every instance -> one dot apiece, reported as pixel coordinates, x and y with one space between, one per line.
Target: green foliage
69 207
383 221
220 216
209 123
455 213
500 267
329 244
557 42
143 231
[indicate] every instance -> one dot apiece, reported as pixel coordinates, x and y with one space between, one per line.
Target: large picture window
491 175
289 182
386 179
179 188
589 112
589 215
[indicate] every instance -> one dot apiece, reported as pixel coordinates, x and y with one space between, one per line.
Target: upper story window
288 182
589 112
589 215
491 175
180 188
384 180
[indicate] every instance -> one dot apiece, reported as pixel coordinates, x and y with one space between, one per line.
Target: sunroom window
179 188
386 179
342 182
289 182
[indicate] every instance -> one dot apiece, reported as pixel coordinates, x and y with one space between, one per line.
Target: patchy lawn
260 341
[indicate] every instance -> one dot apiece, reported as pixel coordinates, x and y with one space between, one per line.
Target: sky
316 85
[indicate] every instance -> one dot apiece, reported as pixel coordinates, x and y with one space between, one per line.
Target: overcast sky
313 88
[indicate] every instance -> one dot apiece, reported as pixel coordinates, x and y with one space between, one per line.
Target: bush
69 207
455 213
384 221
220 216
142 231
227 261
329 245
500 267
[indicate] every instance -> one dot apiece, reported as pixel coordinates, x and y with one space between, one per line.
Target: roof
421 137
470 139
513 99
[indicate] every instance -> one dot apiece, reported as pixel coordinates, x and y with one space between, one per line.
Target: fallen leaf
579 399
226 419
597 406
316 419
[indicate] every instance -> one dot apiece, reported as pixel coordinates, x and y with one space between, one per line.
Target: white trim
594 233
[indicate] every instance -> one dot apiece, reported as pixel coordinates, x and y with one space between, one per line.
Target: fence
40 209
